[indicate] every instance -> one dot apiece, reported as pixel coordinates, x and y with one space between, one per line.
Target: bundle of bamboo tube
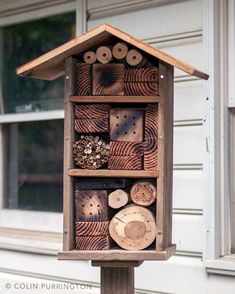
90 152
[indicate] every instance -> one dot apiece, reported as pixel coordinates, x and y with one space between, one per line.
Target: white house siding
175 27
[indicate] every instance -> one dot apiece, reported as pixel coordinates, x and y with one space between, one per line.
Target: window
32 145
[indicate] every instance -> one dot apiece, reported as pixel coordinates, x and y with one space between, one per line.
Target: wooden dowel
104 54
120 50
89 57
134 57
118 198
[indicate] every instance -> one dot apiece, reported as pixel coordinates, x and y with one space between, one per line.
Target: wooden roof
50 65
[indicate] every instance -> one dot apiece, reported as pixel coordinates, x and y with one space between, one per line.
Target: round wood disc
133 228
120 50
143 193
89 57
134 57
104 54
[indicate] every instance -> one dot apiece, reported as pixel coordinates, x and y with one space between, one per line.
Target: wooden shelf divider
76 172
115 99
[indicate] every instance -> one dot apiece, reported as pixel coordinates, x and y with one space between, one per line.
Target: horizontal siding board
155 21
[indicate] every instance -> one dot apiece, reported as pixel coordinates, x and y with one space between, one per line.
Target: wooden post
117 277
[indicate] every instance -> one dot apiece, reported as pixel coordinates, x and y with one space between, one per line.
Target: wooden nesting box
118 147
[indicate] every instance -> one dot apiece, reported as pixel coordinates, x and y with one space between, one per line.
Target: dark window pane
22 43
35 180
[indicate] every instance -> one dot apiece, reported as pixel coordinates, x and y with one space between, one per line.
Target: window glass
21 43
35 165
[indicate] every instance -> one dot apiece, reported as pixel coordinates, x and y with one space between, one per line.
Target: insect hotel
118 144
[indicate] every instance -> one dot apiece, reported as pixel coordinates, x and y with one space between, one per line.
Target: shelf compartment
113 173
115 99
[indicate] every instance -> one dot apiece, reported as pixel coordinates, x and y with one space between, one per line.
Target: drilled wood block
146 74
108 79
91 205
93 242
92 228
141 88
126 124
132 162
83 79
101 184
123 148
92 111
92 125
143 193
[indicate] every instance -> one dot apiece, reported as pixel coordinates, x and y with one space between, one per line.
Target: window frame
15 219
217 255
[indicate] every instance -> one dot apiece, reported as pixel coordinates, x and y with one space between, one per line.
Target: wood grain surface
92 111
93 242
123 148
132 162
100 228
91 125
83 79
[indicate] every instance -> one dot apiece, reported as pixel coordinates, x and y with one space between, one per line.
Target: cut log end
134 57
143 193
89 57
118 198
104 54
120 50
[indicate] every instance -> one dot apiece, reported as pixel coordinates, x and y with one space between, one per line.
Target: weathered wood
116 263
115 99
117 254
151 137
118 198
100 228
141 88
113 173
132 162
104 54
91 205
91 125
101 184
165 157
68 203
133 228
51 65
89 57
122 148
143 193
147 74
134 57
92 111
90 152
93 242
126 124
117 280
120 50
83 79
108 79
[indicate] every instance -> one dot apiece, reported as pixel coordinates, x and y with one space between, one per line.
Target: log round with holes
118 198
134 57
133 228
143 193
120 50
89 57
104 54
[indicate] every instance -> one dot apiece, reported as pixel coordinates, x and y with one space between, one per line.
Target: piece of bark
108 79
93 242
100 228
91 125
125 162
146 74
102 183
104 54
83 79
126 124
92 111
118 198
91 205
120 50
89 57
143 193
133 228
122 148
141 88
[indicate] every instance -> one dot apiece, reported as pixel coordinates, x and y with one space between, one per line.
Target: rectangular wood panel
91 125
131 162
91 111
115 99
100 228
83 79
93 242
